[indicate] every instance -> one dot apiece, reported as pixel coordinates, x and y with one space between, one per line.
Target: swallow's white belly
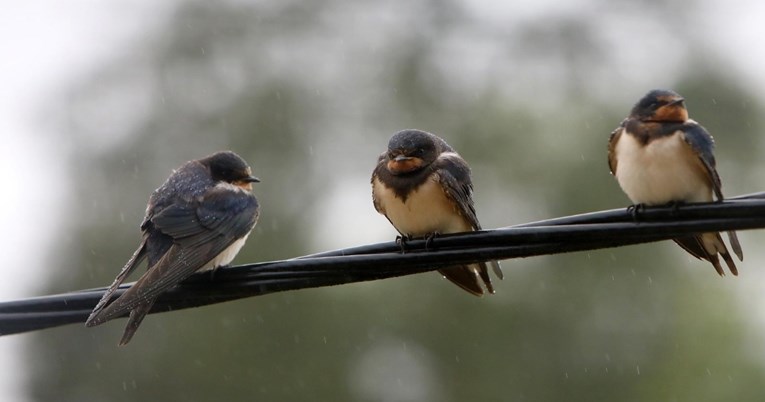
665 170
227 255
426 210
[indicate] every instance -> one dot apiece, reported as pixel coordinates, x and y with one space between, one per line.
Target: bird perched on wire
660 156
198 219
424 189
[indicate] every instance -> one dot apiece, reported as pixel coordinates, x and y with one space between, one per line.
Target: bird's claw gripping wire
636 210
429 240
401 241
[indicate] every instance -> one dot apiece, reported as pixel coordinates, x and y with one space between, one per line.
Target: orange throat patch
244 185
404 166
671 113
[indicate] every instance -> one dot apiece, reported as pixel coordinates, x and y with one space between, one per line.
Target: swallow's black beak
251 179
401 158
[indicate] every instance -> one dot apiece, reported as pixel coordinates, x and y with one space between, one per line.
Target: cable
588 231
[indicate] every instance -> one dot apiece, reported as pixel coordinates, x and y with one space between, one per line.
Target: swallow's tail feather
497 269
729 262
483 272
715 260
138 256
707 246
735 245
465 277
469 277
713 242
136 316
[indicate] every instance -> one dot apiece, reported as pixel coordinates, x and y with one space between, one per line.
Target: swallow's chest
663 170
427 209
227 255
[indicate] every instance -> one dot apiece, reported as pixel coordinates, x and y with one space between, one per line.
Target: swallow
197 220
660 156
424 189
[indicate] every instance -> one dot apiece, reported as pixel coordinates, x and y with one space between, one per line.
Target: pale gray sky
45 45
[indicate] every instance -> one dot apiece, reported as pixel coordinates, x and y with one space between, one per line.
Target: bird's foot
675 205
401 241
429 239
635 210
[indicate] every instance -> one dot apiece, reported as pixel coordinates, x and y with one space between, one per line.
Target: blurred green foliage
308 93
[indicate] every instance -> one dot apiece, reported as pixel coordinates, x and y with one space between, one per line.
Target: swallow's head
229 167
410 151
660 105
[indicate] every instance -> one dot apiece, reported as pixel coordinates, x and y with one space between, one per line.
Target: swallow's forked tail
95 316
136 316
735 245
707 246
469 277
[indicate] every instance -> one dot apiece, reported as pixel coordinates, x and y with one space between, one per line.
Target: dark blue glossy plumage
703 145
203 208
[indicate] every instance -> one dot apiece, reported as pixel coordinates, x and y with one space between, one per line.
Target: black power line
589 231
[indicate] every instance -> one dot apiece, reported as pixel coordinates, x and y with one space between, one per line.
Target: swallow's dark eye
419 153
